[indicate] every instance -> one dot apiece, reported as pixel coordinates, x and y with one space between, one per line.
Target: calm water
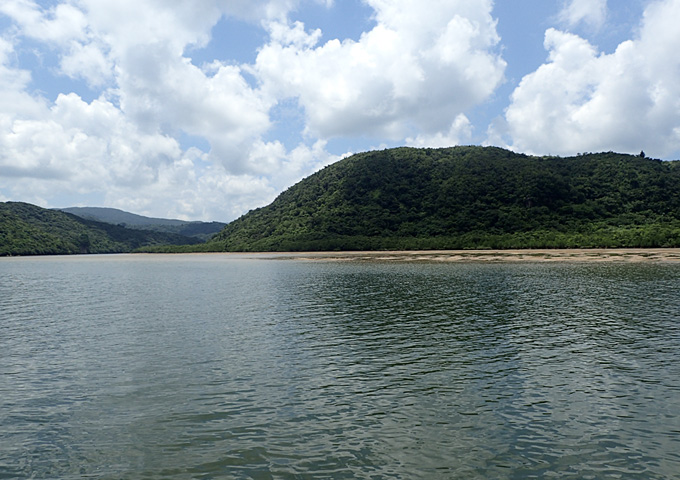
217 366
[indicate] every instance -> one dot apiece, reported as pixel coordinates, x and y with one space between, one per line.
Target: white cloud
459 133
582 100
89 62
198 190
161 91
59 24
65 28
14 99
93 150
125 24
411 77
262 10
121 148
590 12
416 71
88 144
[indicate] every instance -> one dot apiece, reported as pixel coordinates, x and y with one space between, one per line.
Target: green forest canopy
27 229
468 197
408 198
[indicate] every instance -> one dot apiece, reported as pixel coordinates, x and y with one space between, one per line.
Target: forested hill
27 229
200 230
469 197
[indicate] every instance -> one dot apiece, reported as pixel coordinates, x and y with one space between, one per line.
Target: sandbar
619 255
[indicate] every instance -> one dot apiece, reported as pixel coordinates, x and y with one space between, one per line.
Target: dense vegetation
468 197
30 230
200 230
406 198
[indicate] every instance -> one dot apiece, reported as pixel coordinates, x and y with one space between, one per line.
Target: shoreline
618 255
544 255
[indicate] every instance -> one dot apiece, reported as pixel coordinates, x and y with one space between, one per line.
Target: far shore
621 255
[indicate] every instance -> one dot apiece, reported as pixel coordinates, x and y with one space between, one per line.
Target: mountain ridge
416 199
198 229
117 216
27 229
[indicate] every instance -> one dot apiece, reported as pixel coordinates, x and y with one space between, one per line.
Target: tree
84 243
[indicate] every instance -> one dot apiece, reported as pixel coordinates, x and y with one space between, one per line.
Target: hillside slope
27 229
468 197
200 230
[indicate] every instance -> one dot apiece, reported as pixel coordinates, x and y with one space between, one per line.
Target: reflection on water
224 366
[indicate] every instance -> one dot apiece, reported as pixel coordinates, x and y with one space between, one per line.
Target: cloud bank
135 122
412 76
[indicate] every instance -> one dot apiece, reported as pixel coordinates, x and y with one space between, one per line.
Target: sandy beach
622 255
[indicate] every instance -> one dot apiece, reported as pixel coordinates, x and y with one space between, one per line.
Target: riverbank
542 255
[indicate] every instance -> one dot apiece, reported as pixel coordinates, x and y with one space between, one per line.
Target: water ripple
225 367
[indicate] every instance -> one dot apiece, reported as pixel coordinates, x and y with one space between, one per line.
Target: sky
206 109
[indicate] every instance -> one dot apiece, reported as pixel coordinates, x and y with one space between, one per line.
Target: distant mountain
27 229
468 197
201 230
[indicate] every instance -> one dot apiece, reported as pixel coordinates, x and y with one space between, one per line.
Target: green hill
468 197
200 230
26 229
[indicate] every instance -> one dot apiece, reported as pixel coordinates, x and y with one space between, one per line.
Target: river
237 366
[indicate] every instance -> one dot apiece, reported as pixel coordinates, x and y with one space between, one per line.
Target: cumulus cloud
583 100
121 147
13 83
89 144
59 24
417 70
168 92
411 78
459 133
590 12
65 28
93 149
159 88
88 62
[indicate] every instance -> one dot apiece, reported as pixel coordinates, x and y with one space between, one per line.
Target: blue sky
205 110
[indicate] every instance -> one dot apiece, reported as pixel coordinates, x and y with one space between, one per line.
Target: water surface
226 366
